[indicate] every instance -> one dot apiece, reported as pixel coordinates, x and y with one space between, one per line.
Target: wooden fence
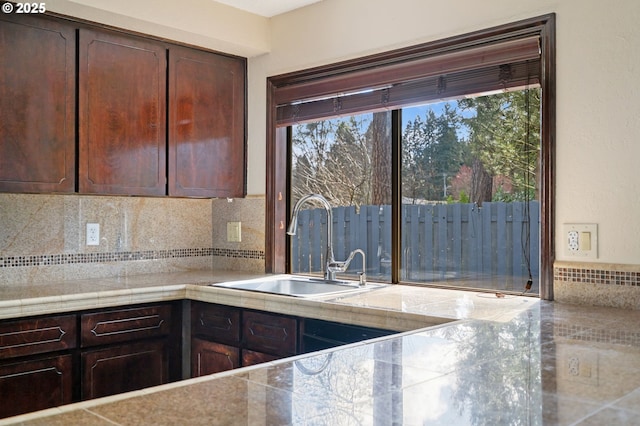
439 241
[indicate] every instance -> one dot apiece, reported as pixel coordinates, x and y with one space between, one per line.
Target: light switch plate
234 232
581 240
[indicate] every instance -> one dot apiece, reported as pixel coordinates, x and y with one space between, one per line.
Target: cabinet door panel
37 105
123 368
37 335
206 124
35 385
123 325
273 334
209 357
122 114
217 322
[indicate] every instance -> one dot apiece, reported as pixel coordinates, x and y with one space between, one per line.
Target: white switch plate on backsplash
234 232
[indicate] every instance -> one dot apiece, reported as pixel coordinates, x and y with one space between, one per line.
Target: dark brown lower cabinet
211 357
48 361
129 348
123 368
36 363
270 333
225 337
35 384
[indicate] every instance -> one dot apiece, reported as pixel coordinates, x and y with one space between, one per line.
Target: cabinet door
210 357
216 322
123 368
37 105
269 333
206 124
35 385
122 114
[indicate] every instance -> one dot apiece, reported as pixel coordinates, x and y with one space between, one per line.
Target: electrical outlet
573 242
93 234
581 240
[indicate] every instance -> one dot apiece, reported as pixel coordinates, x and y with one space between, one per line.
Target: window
470 211
512 60
348 161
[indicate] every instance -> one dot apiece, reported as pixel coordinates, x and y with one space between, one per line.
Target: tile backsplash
597 284
43 237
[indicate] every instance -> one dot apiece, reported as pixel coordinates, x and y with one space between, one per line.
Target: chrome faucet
332 266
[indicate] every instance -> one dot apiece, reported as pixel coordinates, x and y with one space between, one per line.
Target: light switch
234 232
585 241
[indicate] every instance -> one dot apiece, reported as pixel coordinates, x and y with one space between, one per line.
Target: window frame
348 74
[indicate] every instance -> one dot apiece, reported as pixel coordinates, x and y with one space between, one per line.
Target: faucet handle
337 266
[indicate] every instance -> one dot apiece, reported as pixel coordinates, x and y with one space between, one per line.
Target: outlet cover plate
93 234
581 240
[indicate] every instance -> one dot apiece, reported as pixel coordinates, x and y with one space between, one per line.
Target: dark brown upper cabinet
206 124
122 114
37 105
97 111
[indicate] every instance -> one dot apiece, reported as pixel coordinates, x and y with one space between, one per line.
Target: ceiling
267 8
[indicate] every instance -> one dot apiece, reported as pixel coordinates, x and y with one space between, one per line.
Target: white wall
598 108
597 64
199 22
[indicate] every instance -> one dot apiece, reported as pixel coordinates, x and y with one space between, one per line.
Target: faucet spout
330 258
332 266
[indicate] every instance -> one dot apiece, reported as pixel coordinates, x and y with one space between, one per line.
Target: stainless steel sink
298 286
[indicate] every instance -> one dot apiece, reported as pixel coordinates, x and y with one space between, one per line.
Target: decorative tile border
76 258
243 254
599 335
597 276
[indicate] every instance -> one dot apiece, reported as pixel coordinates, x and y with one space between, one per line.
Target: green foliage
431 153
462 198
504 133
487 145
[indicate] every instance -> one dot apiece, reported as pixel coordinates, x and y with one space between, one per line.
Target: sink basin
297 286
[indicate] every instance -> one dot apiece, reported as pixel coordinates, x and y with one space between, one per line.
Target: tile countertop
512 360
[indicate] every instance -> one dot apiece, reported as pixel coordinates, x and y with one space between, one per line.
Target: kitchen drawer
37 335
123 325
216 322
270 333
